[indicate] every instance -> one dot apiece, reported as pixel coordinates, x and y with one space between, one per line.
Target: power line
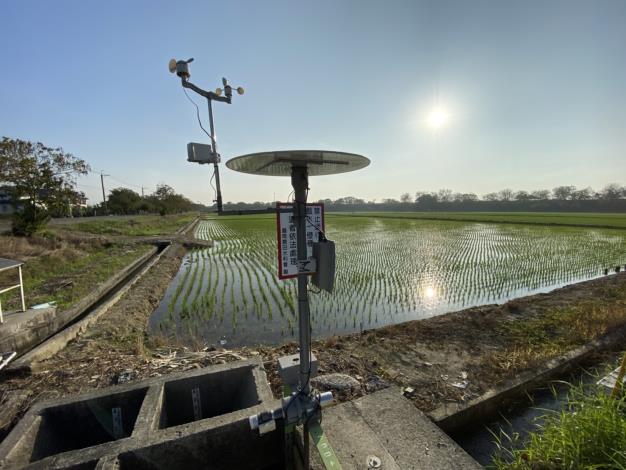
124 183
119 181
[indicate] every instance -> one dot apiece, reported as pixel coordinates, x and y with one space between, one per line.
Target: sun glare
430 292
437 118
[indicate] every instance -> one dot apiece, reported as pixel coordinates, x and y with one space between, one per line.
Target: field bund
389 270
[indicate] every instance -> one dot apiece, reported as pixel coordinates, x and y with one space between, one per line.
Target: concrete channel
37 334
454 417
200 419
187 420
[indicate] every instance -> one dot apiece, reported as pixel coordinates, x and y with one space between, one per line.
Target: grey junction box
324 254
201 153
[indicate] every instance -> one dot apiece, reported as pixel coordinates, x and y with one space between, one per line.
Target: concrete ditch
36 344
187 420
47 322
453 417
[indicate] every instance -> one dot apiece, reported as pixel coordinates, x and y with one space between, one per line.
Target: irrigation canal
518 420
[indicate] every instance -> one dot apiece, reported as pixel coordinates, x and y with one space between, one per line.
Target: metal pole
19 268
299 181
215 167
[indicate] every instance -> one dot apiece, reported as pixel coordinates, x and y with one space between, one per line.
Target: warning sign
287 242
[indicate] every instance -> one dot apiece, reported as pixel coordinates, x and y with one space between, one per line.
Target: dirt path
453 357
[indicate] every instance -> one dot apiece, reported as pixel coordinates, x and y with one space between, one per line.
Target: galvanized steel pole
300 183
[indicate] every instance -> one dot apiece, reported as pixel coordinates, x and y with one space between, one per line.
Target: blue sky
534 91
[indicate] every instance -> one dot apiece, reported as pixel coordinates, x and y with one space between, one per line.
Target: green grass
145 225
64 267
589 434
575 219
66 274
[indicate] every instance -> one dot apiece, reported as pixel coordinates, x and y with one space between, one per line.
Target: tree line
611 198
123 201
40 182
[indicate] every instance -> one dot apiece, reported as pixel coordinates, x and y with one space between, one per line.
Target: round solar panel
280 163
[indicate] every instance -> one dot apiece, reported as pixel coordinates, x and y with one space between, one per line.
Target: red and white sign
287 240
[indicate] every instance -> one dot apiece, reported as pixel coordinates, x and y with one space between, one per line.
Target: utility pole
104 198
142 192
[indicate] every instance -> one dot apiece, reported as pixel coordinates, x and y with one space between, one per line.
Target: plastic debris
6 357
46 305
463 383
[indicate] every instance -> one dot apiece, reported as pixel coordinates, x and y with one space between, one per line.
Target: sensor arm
207 94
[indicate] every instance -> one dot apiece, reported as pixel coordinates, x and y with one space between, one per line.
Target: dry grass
535 340
61 267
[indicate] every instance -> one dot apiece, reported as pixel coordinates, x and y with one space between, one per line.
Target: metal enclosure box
289 368
201 153
324 254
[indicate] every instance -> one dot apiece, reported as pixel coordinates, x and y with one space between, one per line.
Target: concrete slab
388 426
608 381
22 329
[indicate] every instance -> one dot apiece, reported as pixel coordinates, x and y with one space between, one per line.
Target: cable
211 183
116 179
124 183
316 227
197 114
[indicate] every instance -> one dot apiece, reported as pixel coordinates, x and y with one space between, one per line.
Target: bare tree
563 193
582 194
613 191
444 195
506 194
540 194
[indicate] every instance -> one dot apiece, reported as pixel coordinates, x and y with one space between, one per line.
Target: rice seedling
388 271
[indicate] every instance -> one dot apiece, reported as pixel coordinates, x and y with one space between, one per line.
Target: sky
474 96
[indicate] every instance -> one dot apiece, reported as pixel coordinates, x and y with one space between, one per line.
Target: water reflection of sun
429 292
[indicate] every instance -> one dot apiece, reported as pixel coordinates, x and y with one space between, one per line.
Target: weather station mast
202 153
304 251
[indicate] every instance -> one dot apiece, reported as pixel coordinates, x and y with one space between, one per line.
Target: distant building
6 203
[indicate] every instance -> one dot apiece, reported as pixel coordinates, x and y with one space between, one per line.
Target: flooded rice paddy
388 271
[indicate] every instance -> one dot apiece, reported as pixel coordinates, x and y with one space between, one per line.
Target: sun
437 118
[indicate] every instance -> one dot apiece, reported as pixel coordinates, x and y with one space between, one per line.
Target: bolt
373 462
